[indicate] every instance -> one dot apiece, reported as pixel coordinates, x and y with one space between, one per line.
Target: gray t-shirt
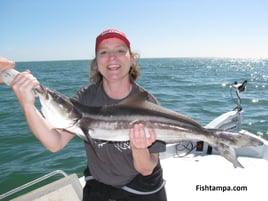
111 162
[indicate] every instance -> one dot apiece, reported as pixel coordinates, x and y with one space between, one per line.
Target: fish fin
84 108
140 100
78 134
135 99
229 153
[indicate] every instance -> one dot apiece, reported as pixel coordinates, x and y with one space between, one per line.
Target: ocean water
196 87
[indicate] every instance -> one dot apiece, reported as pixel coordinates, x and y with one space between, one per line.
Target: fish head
57 109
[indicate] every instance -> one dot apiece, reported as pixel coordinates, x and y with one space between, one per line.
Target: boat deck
195 176
212 177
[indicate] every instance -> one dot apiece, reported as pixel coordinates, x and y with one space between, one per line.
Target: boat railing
31 183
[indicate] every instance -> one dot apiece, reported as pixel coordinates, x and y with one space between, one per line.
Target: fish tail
225 143
229 153
235 139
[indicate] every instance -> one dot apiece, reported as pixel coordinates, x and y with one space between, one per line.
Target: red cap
111 33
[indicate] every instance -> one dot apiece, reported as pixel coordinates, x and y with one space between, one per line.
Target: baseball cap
111 33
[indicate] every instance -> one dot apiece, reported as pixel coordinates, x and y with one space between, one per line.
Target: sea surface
196 87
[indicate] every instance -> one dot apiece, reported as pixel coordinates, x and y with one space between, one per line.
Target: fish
112 122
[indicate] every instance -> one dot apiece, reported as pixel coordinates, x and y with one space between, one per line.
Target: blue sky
66 29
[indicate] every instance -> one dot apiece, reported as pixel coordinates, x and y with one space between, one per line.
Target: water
198 88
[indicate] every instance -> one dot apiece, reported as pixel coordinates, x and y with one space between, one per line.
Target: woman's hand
139 139
144 161
23 85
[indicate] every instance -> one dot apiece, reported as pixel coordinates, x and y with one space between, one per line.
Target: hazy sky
66 29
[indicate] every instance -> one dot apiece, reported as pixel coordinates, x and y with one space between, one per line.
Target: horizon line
179 57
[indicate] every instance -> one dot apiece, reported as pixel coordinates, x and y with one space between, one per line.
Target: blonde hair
134 71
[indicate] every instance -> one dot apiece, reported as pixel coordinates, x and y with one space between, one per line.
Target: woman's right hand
22 86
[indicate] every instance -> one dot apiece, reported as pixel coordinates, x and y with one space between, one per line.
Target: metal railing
31 183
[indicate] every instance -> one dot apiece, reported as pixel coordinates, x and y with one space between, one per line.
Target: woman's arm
50 137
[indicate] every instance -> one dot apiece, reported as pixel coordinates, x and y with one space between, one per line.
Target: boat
192 169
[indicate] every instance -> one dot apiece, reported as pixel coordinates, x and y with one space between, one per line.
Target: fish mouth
41 90
49 94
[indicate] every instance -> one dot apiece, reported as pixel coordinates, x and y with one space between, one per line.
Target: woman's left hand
144 161
138 137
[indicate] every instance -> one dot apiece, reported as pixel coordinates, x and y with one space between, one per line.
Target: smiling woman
114 63
130 172
112 45
113 73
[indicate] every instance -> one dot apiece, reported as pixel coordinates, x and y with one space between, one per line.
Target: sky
34 30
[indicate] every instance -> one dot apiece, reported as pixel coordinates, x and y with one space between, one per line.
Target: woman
116 171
